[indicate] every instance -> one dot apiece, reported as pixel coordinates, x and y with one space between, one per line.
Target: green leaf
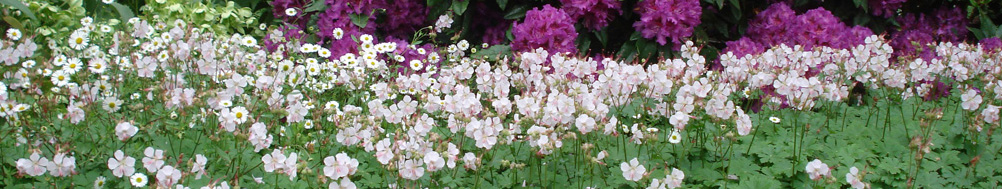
20 6
123 11
516 12
13 22
503 4
316 6
360 20
459 6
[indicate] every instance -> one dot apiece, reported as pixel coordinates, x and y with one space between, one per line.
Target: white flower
62 165
112 104
853 179
434 161
249 41
87 21
240 113
79 40
14 34
463 45
73 65
743 123
345 184
338 33
816 169
340 165
108 1
125 130
273 161
774 119
99 182
34 165
633 171
323 52
97 65
675 137
584 123
199 166
366 38
971 100
411 170
154 159
444 21
416 65
991 114
290 12
674 180
168 176
138 180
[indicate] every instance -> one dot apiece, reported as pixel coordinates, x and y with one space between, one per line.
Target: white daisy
79 40
87 21
14 34
290 12
138 180
73 65
323 52
108 1
338 33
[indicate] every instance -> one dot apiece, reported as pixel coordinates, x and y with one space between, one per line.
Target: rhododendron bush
331 95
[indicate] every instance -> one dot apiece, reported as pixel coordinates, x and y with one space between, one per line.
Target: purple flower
992 44
918 31
817 27
594 14
336 16
403 17
549 28
743 46
885 8
661 19
779 24
769 26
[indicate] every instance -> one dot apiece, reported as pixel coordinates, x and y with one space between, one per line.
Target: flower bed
155 103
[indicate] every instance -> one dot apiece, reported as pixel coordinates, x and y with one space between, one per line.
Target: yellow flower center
61 78
79 40
240 115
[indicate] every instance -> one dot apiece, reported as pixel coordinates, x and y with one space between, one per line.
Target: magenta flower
549 28
661 19
593 14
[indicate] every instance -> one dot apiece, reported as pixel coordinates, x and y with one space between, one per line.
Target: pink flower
62 165
743 123
168 176
154 159
633 171
273 161
121 165
434 161
125 130
34 165
816 169
971 100
411 170
345 184
340 165
585 124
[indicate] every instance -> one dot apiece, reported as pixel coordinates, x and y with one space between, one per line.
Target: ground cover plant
421 94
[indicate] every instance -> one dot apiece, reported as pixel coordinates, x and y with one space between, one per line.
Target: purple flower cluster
885 8
779 24
593 14
918 31
403 17
661 19
991 44
549 28
337 16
